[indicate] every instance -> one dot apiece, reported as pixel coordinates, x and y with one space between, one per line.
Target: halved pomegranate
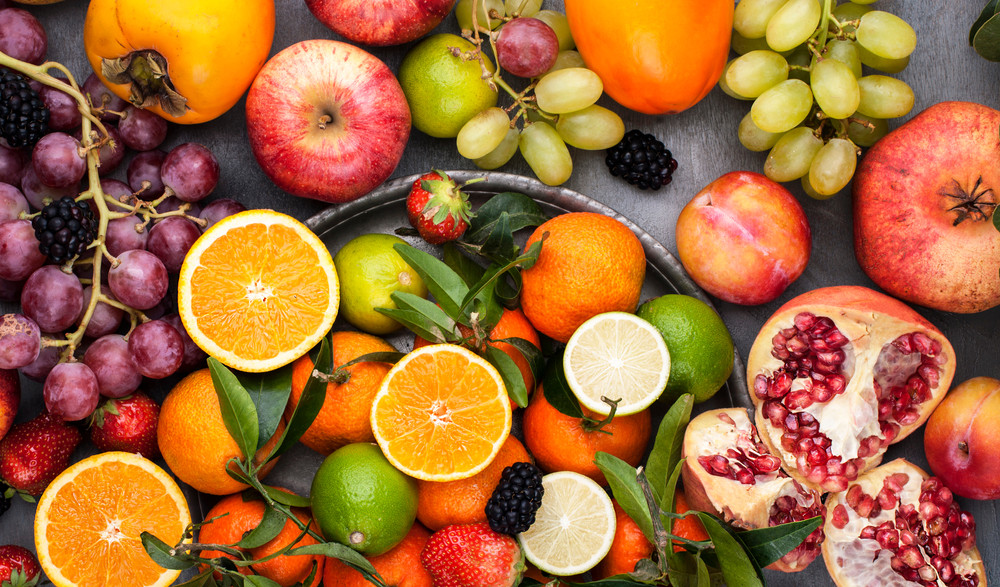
729 471
840 373
896 526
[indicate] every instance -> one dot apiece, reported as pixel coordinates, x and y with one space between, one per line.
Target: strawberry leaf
238 411
510 374
521 210
310 402
269 392
269 527
666 451
443 283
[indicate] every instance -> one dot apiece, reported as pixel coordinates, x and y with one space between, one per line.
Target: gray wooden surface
703 140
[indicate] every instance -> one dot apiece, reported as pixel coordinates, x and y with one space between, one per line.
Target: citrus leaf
486 311
988 11
269 392
417 323
238 411
767 545
204 579
528 350
345 555
269 527
160 552
530 255
996 219
444 284
493 273
666 451
736 565
987 39
510 374
465 267
557 391
260 581
521 210
376 357
621 476
430 310
310 402
667 501
287 498
499 245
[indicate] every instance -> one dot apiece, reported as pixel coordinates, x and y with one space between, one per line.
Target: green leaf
557 391
310 402
988 11
987 39
417 323
704 580
531 353
287 498
521 210
238 411
530 256
269 392
667 501
159 551
465 267
486 310
737 567
260 581
346 555
510 374
430 310
996 217
621 476
767 545
444 284
666 451
200 580
269 527
499 245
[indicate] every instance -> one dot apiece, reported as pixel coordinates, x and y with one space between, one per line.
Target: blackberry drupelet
23 116
511 509
642 160
64 229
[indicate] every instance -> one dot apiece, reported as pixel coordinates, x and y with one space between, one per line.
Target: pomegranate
730 472
897 526
840 373
924 196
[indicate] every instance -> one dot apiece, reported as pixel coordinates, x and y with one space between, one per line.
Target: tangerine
629 547
564 443
400 566
345 417
589 264
689 526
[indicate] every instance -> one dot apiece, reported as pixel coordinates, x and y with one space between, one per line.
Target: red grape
103 99
112 363
12 202
39 369
105 319
157 348
52 299
115 188
10 291
527 47
190 171
122 235
139 280
71 391
20 341
63 111
37 193
170 239
219 209
111 153
57 160
145 168
19 254
141 129
22 36
11 165
194 357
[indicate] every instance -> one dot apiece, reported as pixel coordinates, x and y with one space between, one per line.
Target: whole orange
629 547
240 516
194 440
563 443
512 324
589 264
464 501
690 526
345 416
399 567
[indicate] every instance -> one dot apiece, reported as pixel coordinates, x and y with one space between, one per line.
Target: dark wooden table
702 139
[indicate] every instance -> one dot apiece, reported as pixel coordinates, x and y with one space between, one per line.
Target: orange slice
441 414
89 519
258 290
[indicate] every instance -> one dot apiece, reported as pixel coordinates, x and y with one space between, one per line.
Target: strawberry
127 424
438 208
10 398
18 567
472 555
34 452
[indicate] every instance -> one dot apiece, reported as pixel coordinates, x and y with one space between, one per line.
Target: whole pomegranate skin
728 471
838 374
924 196
895 527
961 440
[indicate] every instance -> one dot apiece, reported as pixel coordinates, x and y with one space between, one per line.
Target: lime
701 348
444 90
360 500
619 356
370 270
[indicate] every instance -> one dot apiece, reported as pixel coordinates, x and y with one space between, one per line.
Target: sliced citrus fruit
441 414
89 521
574 527
258 290
619 356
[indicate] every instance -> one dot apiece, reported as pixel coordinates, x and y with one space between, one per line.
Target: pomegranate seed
797 346
760 386
788 332
854 495
814 475
896 481
906 537
923 343
778 341
865 506
744 476
733 453
816 456
929 373
835 339
909 416
835 484
888 539
945 569
725 418
822 325
887 500
889 431
943 497
834 467
767 464
804 320
798 400
851 469
805 444
791 421
821 393
897 564
884 409
775 412
868 533
788 442
818 345
809 427
836 383
785 503
781 385
781 354
840 516
937 526
833 358
903 344
927 573
911 556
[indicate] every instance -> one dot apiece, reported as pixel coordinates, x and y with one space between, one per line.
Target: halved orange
89 519
258 290
441 414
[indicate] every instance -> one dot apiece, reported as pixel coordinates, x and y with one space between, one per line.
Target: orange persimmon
654 56
187 60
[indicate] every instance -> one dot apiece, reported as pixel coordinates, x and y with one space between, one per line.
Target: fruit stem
592 425
824 22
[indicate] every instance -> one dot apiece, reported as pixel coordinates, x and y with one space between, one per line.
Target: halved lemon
619 356
258 290
89 519
441 414
574 527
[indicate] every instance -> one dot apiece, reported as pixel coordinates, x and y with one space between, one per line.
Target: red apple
744 238
961 442
381 22
10 398
327 120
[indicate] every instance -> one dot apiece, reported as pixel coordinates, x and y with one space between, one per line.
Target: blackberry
511 509
642 160
23 116
64 229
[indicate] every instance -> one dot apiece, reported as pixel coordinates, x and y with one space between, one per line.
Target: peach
744 238
961 442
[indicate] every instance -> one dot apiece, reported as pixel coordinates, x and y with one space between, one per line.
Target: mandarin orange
400 567
629 547
689 526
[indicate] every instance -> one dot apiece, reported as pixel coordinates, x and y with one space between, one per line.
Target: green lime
360 500
444 90
701 348
370 270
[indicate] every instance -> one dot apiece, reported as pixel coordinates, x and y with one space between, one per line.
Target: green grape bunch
802 64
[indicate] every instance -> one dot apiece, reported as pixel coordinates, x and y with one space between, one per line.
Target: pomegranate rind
904 236
876 572
870 320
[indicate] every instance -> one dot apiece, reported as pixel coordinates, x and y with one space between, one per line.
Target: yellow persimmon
187 60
